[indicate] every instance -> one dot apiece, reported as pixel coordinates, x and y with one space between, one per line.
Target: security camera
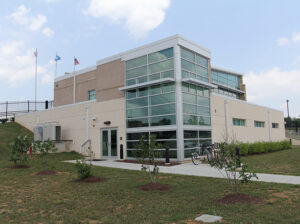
94 118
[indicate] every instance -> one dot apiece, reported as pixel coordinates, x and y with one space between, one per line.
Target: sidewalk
202 170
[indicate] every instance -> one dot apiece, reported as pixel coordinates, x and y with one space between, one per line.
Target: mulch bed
239 198
46 173
155 187
20 167
92 179
160 163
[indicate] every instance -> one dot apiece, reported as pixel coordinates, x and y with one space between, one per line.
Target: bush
20 149
258 147
84 170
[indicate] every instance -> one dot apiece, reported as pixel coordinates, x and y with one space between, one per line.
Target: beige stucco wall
73 124
106 80
249 112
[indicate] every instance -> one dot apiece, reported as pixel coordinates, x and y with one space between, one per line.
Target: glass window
142 79
164 135
167 74
190 144
189 119
136 62
136 136
203 101
92 94
275 125
139 102
187 54
155 90
154 76
139 112
168 87
163 120
259 124
143 92
201 71
204 134
168 144
137 72
185 74
185 87
161 66
238 122
201 61
161 55
189 109
130 82
189 66
205 111
163 109
190 134
189 98
137 122
162 99
203 120
131 94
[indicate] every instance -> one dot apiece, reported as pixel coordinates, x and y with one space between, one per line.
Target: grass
285 162
27 198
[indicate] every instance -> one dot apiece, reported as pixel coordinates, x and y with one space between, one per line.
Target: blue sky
258 38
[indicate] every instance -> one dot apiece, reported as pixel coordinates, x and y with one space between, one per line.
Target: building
167 88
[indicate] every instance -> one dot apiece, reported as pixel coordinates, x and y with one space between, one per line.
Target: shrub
244 148
20 149
84 170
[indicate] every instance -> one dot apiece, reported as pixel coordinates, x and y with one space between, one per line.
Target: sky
259 38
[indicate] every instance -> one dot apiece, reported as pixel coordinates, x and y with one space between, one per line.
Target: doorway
109 139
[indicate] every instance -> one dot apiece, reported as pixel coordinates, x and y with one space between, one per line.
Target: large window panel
205 111
163 120
139 112
201 71
190 119
189 98
161 66
137 136
136 62
189 66
168 87
137 122
202 61
139 102
204 134
190 134
162 99
167 74
164 135
163 109
203 120
189 109
187 54
161 55
137 72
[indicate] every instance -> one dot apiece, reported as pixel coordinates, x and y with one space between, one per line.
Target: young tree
147 154
20 149
43 149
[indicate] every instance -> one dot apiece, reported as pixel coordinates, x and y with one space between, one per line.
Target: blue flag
57 58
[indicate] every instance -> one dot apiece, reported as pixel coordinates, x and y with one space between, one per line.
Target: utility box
51 131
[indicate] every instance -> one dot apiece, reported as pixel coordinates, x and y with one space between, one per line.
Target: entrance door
109 142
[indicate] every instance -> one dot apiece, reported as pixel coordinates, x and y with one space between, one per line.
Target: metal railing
11 108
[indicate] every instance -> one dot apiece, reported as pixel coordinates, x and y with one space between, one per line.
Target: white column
179 114
87 122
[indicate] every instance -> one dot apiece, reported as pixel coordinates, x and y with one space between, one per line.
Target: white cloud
48 32
283 41
18 64
296 37
273 87
139 16
21 17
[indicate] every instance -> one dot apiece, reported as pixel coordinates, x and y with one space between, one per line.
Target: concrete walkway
202 170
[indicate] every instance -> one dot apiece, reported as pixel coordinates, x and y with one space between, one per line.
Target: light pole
287 105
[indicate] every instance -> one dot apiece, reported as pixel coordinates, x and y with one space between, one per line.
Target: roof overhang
199 82
147 84
230 88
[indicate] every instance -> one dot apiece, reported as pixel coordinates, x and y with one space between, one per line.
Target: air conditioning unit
51 131
38 133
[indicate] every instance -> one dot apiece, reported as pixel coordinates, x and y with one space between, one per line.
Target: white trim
196 128
229 88
79 72
145 84
226 70
243 101
151 129
199 82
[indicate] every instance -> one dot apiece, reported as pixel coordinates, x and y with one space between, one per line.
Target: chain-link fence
11 108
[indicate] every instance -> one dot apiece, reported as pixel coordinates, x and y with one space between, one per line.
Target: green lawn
282 162
27 198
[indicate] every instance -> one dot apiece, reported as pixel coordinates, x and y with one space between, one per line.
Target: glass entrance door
109 142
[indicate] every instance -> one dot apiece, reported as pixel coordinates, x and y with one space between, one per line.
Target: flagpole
56 65
74 85
35 78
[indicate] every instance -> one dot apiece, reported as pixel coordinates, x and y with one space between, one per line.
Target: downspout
86 129
269 126
226 121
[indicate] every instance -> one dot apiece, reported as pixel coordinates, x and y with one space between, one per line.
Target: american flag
76 62
36 53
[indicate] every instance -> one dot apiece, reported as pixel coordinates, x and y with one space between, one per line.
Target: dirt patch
239 198
92 179
160 163
20 167
46 173
155 187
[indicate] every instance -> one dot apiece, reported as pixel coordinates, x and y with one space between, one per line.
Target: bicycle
200 153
